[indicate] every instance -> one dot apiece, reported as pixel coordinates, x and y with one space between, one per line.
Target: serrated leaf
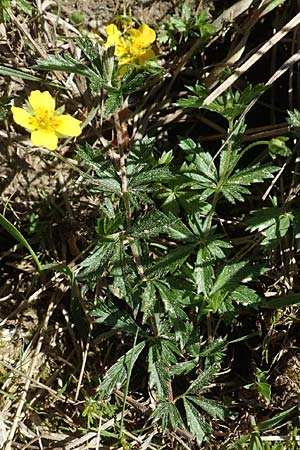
106 313
234 193
112 103
204 273
160 174
273 223
92 267
150 225
105 177
158 373
245 296
203 379
65 64
213 408
254 174
196 423
167 413
148 297
230 276
115 377
171 262
184 367
172 301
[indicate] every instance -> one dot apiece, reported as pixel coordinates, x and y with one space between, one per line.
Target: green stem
254 144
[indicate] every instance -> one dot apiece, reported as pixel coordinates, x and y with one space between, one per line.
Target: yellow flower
133 46
45 124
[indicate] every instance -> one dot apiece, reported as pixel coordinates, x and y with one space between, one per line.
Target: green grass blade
15 233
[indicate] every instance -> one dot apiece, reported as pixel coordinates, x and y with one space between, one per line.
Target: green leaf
273 223
9 72
116 376
113 102
25 6
277 146
160 174
231 276
245 296
294 121
276 420
104 177
167 414
92 267
254 174
204 273
184 367
152 224
149 300
197 425
282 302
105 312
213 408
203 379
170 262
65 64
158 373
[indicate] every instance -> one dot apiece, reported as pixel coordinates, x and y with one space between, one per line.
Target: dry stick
253 59
8 444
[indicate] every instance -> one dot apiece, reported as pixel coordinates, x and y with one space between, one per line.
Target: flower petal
45 138
148 35
23 118
146 56
113 35
67 125
41 102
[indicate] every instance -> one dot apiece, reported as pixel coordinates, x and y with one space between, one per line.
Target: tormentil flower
45 124
132 47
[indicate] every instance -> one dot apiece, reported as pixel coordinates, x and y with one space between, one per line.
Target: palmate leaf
106 313
196 423
234 187
115 377
139 156
273 223
170 262
167 414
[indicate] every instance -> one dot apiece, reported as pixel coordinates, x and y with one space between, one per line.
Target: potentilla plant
167 262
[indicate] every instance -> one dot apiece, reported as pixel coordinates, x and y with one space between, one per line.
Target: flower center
44 120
